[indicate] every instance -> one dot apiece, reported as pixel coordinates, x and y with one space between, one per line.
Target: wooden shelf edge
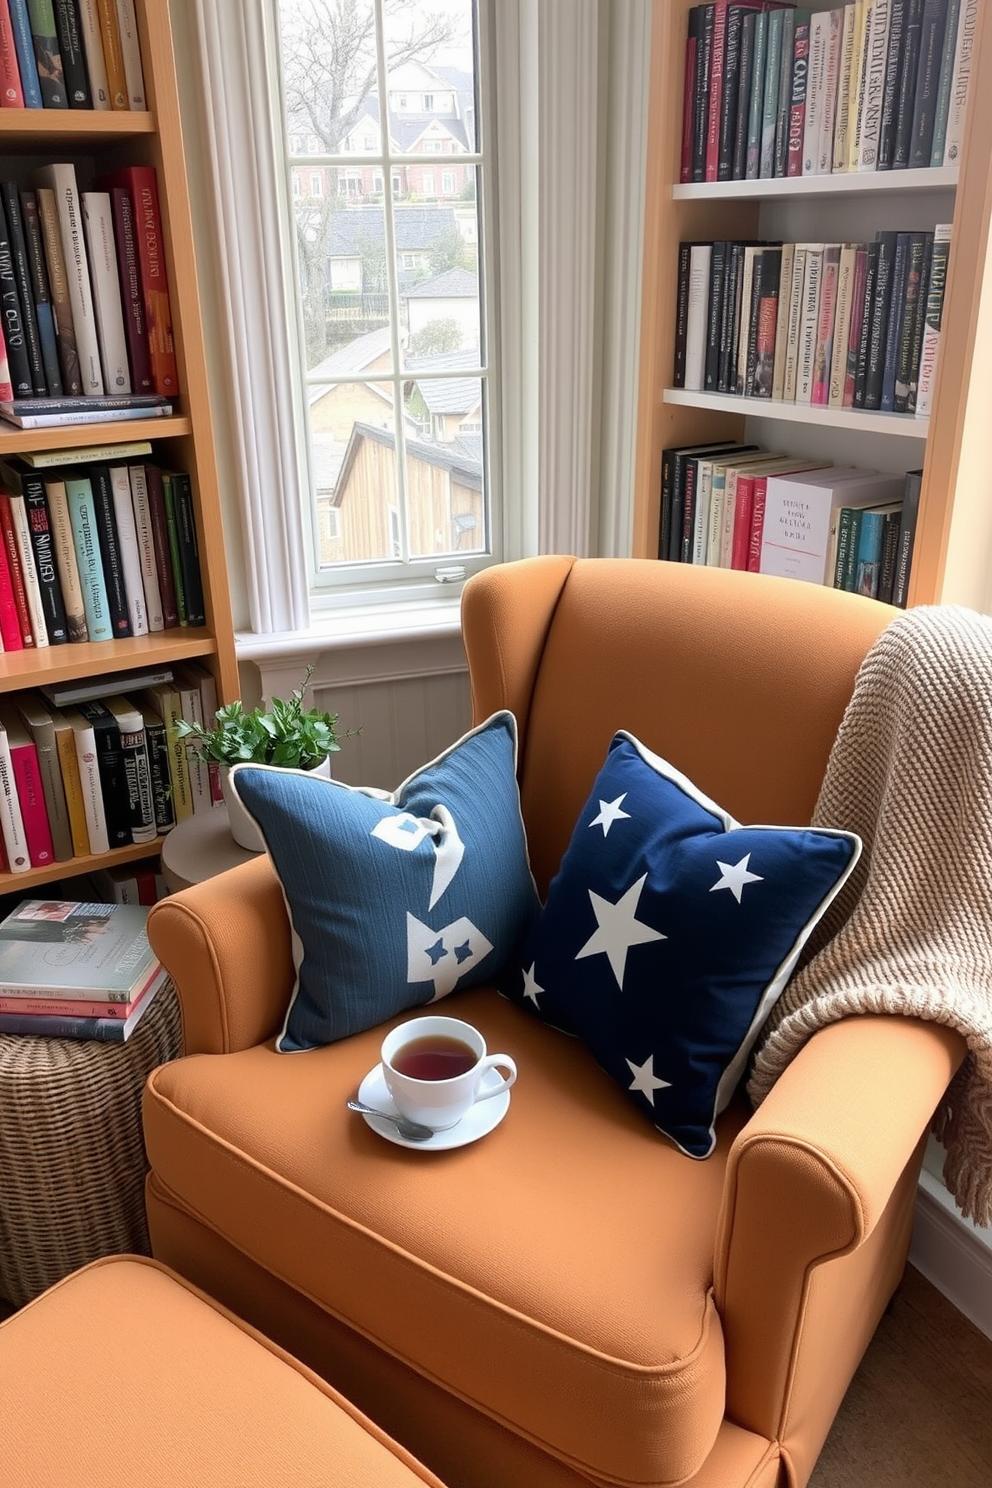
12 883
935 178
46 125
34 668
905 424
72 436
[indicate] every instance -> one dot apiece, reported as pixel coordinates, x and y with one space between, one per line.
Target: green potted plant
284 733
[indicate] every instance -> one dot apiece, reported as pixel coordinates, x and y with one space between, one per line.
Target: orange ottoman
123 1376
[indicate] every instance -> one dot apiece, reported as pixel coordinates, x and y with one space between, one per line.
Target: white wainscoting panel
404 723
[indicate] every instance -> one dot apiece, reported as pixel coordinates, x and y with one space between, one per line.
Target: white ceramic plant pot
243 829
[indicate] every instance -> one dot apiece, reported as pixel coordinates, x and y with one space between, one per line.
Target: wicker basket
72 1156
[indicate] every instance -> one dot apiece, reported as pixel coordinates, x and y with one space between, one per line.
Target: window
316 184
428 103
426 354
433 147
448 183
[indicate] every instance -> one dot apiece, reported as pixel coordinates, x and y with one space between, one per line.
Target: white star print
618 930
609 812
531 988
645 1080
735 876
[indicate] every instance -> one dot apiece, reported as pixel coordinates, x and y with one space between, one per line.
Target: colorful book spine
65 558
932 318
51 78
11 311
98 226
44 313
61 179
29 786
75 803
823 353
11 92
113 55
77 83
82 514
27 65
18 518
131 53
11 820
96 67
10 623
111 772
127 534
160 539
135 322
43 544
110 551
141 182
41 726
58 282
22 275
961 82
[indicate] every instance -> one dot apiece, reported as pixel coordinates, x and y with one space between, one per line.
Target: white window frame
569 256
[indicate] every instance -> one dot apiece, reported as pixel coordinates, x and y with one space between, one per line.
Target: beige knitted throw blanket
911 932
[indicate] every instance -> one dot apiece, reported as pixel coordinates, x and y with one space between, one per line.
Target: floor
918 1413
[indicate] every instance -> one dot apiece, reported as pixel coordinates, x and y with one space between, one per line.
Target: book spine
742 335
107 305
688 105
48 58
42 730
110 551
27 65
905 95
927 79
135 325
743 505
911 330
961 82
111 773
36 1025
158 312
893 329
714 100
158 765
869 554
744 96
686 524
113 55
63 1007
160 539
681 314
945 79
842 119
780 157
25 293
131 51
65 746
65 560
77 83
890 551
167 703
820 391
769 107
40 526
782 318
96 67
879 322
794 324
766 299
756 104
6 389
874 88
31 799
815 90
842 324
11 821
10 620
872 253
130 553
699 286
11 92
714 531
890 88
138 782
843 519
835 31
15 570
700 120
933 315
730 330
809 323
757 523
13 321
701 518
79 495
58 283
714 312
29 573
62 179
141 511
42 294
863 55
730 92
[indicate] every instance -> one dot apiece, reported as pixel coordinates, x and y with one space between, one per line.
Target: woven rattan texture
72 1156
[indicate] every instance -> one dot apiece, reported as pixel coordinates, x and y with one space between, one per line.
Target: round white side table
199 848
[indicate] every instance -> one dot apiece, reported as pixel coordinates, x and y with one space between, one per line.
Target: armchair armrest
827 1162
226 944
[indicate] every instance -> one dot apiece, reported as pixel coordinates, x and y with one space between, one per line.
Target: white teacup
433 1068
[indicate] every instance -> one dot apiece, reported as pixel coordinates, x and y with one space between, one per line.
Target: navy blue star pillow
396 899
668 934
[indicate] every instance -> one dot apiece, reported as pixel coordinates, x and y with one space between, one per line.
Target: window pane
353 459
437 255
444 461
431 78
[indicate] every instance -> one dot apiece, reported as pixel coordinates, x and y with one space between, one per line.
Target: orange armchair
571 1301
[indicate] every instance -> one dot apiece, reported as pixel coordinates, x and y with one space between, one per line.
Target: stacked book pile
89 767
96 549
87 325
731 505
71 969
780 90
838 325
79 54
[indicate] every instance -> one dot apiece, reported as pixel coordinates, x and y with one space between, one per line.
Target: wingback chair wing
571 1301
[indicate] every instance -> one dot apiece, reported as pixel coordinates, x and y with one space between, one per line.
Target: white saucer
476 1123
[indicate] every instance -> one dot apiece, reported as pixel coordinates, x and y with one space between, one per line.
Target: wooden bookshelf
96 142
954 446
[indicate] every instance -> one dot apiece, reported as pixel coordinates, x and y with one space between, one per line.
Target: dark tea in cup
434 1057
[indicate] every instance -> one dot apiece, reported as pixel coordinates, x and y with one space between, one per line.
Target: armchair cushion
395 899
669 933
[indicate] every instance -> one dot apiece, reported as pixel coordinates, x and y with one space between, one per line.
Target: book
696 315
44 313
131 53
77 83
15 339
113 54
800 517
41 726
190 683
131 560
739 159
906 89
15 569
86 540
96 67
873 93
156 738
75 803
769 106
153 546
166 702
11 633
856 326
846 267
28 784
912 488
135 322
6 388
64 549
730 90
791 364
756 103
701 19
48 58
889 265
25 290
95 414
61 179
719 252
890 552
780 154
961 82
111 771
101 248
867 314
868 559
730 322
782 318
673 463
927 78
932 316
106 1030
816 83
809 322
942 102
141 182
85 690
15 842
743 339
111 556
911 328
765 299
832 69
11 92
172 527
137 768
40 527
15 513
61 301
898 18
859 76
823 352
27 65
67 1007
688 103
72 949
43 459
842 112
681 315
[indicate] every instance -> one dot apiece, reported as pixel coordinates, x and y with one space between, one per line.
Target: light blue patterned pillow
396 900
668 934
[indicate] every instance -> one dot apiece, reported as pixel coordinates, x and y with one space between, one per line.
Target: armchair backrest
740 680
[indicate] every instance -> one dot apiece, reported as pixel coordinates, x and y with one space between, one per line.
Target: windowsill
364 625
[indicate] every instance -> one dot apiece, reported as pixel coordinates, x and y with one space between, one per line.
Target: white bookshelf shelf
938 178
905 424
